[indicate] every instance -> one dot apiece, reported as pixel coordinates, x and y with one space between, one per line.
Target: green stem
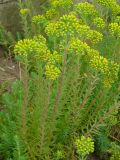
25 102
59 93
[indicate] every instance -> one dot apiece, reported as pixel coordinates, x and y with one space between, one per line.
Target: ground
9 70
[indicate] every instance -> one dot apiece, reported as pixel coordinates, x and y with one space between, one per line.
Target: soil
93 157
9 70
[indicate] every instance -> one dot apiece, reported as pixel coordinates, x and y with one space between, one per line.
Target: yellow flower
114 29
24 11
66 26
117 19
61 3
84 146
115 8
35 48
83 30
38 19
55 57
108 70
25 47
77 46
51 29
95 36
51 13
99 23
52 72
106 3
98 62
86 9
39 39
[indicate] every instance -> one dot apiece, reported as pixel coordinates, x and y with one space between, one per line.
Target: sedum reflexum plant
70 81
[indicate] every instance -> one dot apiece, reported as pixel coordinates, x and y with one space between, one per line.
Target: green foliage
115 151
69 86
10 146
6 38
102 142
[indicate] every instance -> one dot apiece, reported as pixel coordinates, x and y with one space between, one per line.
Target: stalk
44 118
59 93
25 101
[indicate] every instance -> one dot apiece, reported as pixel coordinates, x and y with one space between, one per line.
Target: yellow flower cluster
84 146
38 19
51 13
115 9
51 71
69 26
106 3
39 39
111 4
66 26
83 31
112 75
86 9
99 23
61 3
35 47
109 70
95 36
114 29
24 11
54 57
51 29
25 47
117 19
78 47
98 62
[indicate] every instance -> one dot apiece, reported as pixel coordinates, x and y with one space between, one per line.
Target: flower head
86 10
83 30
24 11
114 29
77 46
25 47
64 27
51 13
117 19
106 3
38 19
84 146
54 57
51 29
39 39
61 3
95 36
99 23
52 72
108 70
35 48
